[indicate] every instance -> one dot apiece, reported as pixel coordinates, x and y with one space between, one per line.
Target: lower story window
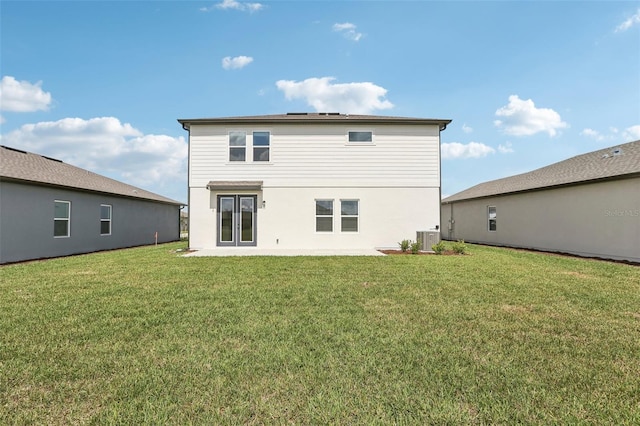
324 215
105 219
349 215
62 219
493 218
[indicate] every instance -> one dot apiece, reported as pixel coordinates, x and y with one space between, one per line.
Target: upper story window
360 136
62 219
105 219
261 143
237 146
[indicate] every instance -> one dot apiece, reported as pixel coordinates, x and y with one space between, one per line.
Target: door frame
237 220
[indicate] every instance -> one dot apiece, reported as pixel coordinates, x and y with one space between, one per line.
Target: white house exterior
312 180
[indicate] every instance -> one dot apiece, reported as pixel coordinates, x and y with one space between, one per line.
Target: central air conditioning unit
428 239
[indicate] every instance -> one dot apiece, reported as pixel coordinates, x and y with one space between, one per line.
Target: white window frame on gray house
492 218
106 211
60 217
349 215
324 215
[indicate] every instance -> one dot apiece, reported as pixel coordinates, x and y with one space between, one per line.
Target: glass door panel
247 205
226 227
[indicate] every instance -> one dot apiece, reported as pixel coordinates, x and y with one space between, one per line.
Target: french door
236 220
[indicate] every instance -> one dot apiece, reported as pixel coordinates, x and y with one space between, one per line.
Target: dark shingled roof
610 163
313 118
23 166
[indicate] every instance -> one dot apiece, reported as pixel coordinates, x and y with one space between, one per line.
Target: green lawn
143 336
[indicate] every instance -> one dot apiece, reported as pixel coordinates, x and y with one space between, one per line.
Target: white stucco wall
287 219
596 219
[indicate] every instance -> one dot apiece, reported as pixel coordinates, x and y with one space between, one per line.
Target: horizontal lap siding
321 156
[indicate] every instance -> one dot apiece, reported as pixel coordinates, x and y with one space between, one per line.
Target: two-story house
312 180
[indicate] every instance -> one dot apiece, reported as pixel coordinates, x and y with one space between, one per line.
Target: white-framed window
360 136
105 219
61 219
237 146
261 145
324 215
349 212
492 217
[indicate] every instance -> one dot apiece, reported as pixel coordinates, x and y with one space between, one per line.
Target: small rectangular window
105 219
360 136
493 218
324 215
237 146
349 215
62 219
261 142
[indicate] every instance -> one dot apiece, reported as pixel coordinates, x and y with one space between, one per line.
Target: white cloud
348 30
105 145
323 95
507 148
593 134
455 150
632 133
522 118
22 96
229 63
628 23
234 5
466 128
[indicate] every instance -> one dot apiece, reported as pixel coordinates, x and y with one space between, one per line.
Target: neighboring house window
261 142
62 219
493 218
237 146
105 219
360 137
349 215
324 215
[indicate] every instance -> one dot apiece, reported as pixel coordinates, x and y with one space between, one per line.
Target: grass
143 336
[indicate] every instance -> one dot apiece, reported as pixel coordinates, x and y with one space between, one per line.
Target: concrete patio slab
252 251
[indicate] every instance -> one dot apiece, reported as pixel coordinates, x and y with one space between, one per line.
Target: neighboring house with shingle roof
587 205
312 180
49 208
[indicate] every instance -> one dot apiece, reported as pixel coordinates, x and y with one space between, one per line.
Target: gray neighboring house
49 208
588 205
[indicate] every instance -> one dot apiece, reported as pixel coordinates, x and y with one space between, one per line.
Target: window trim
254 146
109 220
357 215
358 142
236 147
66 219
324 215
494 218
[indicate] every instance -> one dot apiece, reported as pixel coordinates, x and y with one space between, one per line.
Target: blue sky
101 84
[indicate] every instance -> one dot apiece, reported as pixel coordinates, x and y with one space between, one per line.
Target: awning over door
232 185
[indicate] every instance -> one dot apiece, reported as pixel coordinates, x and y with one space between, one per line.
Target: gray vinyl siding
26 222
598 219
321 156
